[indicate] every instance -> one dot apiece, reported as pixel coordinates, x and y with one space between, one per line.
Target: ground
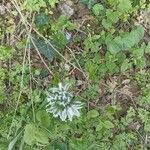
100 48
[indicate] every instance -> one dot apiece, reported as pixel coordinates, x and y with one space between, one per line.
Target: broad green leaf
132 38
41 19
112 16
99 127
106 24
113 46
43 47
97 9
33 5
33 134
107 124
125 41
43 117
124 5
29 134
60 36
93 114
41 136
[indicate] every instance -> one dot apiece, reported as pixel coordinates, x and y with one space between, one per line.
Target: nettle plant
61 103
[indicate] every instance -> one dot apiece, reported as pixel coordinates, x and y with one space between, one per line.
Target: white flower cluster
61 103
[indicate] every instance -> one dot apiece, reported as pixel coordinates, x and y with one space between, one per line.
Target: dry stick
29 59
40 55
76 60
21 84
20 93
24 21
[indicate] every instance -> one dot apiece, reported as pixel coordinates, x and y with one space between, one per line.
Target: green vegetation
74 75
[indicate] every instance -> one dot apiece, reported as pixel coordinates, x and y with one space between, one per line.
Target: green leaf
133 38
52 3
97 9
107 124
29 134
88 3
106 24
147 126
147 50
115 45
43 47
59 146
125 41
124 5
41 19
41 136
125 65
112 16
5 52
33 134
43 117
93 114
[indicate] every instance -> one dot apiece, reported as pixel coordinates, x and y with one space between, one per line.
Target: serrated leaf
125 41
113 46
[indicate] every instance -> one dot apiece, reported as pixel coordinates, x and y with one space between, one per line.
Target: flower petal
63 115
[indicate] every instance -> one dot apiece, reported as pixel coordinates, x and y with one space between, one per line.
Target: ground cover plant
74 75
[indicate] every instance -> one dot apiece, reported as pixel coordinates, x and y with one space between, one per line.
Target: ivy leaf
43 47
41 19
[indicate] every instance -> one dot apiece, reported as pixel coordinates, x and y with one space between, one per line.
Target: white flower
61 103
